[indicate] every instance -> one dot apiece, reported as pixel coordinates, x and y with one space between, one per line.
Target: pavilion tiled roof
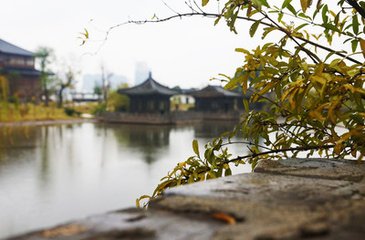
148 87
215 91
6 47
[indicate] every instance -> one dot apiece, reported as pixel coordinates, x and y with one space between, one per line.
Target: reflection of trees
151 141
20 146
17 141
45 156
212 129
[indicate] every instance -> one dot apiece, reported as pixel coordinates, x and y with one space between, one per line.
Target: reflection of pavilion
212 129
148 140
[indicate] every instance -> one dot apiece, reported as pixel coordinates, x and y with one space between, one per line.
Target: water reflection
213 129
53 174
152 141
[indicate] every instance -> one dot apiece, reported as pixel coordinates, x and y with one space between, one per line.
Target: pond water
53 174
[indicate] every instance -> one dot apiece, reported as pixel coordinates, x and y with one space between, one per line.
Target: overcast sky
184 52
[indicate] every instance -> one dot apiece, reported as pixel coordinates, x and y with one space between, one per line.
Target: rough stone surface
289 199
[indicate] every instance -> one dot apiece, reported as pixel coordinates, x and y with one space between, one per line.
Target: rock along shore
289 199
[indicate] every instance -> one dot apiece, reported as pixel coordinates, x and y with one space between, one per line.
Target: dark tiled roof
148 87
29 72
188 91
214 91
9 48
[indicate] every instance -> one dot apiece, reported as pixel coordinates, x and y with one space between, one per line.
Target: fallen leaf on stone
225 218
63 231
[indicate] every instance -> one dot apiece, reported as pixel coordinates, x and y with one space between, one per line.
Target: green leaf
304 16
324 14
292 9
264 2
280 16
242 50
319 4
253 28
217 20
196 147
232 84
205 2
228 172
260 3
267 30
328 56
331 27
355 24
354 44
285 3
301 26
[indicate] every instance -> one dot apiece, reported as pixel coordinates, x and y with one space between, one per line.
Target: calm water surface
53 174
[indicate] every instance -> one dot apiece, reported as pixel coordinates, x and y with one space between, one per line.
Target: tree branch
357 7
329 50
215 15
247 143
307 148
312 56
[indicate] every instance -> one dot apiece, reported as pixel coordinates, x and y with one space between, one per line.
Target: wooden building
149 97
17 66
217 99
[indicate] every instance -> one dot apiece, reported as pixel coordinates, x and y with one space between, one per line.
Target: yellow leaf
182 164
354 153
225 218
344 137
305 4
244 83
291 99
205 2
242 50
332 110
64 231
362 45
267 87
319 69
318 79
338 148
316 115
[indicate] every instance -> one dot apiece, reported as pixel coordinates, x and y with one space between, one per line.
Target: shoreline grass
12 112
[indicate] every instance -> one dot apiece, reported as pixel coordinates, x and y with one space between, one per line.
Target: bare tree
105 82
45 57
66 82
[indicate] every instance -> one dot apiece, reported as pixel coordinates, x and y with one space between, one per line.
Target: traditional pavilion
217 99
149 97
17 66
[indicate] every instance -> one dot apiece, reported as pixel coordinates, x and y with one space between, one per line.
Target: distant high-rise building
89 81
141 72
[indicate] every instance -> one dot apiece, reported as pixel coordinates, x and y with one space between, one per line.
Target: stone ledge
315 168
290 199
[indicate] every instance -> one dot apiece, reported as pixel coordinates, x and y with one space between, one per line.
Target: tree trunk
60 97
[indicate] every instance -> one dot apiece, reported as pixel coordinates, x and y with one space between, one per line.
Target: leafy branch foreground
311 78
